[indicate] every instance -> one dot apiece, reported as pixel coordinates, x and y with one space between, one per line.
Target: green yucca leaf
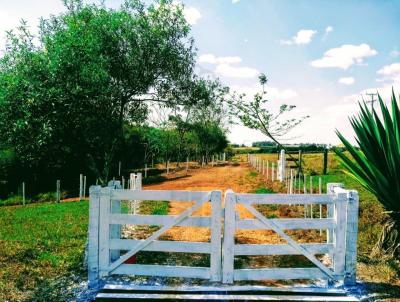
375 162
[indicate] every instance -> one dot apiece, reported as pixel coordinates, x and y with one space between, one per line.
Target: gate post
351 238
215 258
330 209
93 245
104 231
340 232
229 237
115 230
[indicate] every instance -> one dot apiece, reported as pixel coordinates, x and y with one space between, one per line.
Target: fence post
80 186
115 230
145 170
215 258
229 237
93 245
58 193
282 165
104 231
325 161
351 239
23 193
84 186
330 189
340 232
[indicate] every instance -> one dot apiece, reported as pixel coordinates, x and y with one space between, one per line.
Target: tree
375 164
65 101
255 115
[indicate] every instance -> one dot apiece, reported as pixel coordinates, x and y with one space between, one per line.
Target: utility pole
373 100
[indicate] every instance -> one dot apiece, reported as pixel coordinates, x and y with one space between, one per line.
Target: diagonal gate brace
289 240
157 234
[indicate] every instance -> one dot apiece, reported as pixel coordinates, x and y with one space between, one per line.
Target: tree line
98 86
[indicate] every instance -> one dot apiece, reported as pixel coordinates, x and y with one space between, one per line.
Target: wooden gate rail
104 243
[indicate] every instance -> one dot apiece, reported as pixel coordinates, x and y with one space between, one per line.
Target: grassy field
42 245
42 250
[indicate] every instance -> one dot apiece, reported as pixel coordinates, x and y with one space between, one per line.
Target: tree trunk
388 245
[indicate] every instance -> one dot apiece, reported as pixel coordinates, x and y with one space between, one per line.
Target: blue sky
318 55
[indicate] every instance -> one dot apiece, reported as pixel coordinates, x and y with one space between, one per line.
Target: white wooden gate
340 223
105 244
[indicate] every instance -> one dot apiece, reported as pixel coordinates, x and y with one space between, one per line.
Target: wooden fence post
351 239
93 245
84 186
340 234
229 237
115 230
215 258
325 161
330 210
104 231
58 193
23 193
80 186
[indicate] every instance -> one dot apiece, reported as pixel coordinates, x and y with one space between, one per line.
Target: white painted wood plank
163 271
281 249
288 223
157 234
163 246
215 258
289 240
93 244
278 274
225 288
216 297
159 195
284 199
229 237
104 231
351 238
198 221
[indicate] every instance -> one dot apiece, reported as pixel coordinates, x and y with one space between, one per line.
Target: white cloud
273 93
230 71
235 1
390 74
390 70
328 29
346 81
303 36
395 53
212 59
192 15
226 66
344 56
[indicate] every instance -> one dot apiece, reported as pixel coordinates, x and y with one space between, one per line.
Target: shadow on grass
383 290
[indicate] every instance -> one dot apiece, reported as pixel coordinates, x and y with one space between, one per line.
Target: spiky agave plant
375 164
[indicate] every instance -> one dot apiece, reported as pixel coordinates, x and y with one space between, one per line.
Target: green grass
41 243
264 190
